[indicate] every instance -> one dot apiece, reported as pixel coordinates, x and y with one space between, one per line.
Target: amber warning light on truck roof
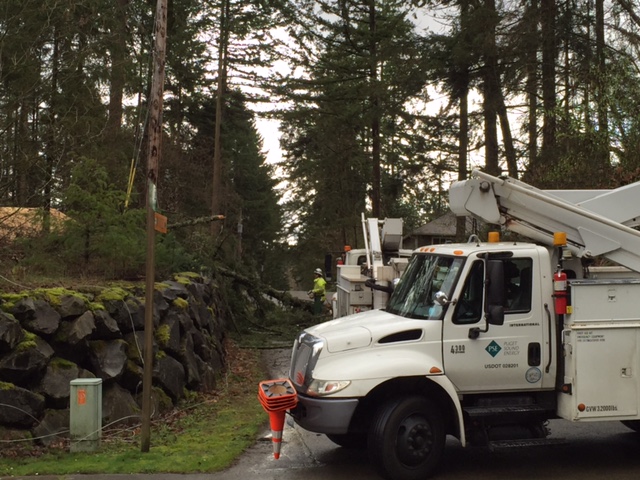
559 239
494 237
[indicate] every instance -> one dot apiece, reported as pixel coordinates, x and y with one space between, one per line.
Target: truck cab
442 333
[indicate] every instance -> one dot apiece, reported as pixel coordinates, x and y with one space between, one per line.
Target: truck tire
406 438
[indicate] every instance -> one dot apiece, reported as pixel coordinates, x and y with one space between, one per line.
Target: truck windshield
426 275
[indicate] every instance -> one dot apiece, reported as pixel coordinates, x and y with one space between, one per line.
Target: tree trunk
217 185
258 288
463 131
548 30
24 155
196 221
507 138
490 93
375 112
601 94
532 80
50 152
117 73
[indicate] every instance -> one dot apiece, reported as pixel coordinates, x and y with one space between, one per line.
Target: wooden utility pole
153 156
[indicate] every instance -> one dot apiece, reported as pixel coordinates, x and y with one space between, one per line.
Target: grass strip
204 434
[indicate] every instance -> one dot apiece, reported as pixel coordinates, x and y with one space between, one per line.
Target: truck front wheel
406 438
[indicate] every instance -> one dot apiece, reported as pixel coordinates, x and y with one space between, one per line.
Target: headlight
320 388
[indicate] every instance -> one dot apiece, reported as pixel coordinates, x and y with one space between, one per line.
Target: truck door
511 356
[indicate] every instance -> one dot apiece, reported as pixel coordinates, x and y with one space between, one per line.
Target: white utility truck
365 276
487 341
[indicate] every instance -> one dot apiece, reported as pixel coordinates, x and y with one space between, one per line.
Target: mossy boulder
37 316
108 358
21 407
11 333
55 384
27 362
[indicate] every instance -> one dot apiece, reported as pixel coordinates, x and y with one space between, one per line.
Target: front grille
306 350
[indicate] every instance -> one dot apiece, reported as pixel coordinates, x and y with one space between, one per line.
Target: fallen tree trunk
196 221
257 288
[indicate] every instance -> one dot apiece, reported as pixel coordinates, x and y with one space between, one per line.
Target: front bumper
324 415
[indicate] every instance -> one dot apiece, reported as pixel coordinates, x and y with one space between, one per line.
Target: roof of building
24 221
444 225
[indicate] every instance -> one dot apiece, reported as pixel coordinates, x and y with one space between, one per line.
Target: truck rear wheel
406 438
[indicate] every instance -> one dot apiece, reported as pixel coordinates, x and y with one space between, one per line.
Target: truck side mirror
441 298
495 292
494 280
495 315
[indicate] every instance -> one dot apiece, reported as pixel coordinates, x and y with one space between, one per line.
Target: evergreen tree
252 198
71 71
348 133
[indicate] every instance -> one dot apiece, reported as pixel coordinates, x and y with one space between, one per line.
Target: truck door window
469 304
518 276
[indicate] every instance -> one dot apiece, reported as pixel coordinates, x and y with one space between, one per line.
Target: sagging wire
103 428
19 409
135 337
62 432
90 435
13 283
31 439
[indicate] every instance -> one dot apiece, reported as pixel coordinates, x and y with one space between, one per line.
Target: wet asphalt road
591 451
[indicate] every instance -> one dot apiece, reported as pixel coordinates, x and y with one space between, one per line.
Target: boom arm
379 237
537 214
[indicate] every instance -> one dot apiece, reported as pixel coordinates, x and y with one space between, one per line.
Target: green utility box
85 416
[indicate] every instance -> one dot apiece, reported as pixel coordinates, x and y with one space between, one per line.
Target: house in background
20 222
440 230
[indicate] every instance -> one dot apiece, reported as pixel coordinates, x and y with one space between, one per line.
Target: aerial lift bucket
276 397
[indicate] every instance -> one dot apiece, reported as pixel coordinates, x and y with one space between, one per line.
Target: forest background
543 90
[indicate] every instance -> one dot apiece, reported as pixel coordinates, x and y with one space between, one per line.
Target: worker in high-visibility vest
319 291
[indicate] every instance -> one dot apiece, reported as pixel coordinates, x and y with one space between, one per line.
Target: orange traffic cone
276 397
276 421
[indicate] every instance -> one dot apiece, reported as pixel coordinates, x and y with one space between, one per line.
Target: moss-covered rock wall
49 337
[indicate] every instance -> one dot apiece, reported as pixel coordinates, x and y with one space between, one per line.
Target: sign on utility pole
153 156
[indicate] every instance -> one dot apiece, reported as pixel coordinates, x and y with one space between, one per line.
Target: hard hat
318 271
